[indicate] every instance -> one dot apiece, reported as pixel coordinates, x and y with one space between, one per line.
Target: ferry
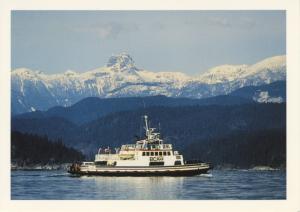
150 156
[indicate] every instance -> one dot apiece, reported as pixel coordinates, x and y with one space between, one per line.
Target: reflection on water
132 187
234 184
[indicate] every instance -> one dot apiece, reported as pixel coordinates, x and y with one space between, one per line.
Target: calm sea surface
229 184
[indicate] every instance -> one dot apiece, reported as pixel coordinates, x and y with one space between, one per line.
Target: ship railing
157 147
128 147
101 157
167 146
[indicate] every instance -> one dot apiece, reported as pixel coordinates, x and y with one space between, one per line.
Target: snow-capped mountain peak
222 73
26 73
274 64
70 73
121 62
264 97
268 69
121 78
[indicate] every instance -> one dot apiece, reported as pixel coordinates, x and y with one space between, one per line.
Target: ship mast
150 134
147 127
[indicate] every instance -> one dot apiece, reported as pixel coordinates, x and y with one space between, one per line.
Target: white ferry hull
180 170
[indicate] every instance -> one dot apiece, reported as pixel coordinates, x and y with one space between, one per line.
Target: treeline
243 149
30 149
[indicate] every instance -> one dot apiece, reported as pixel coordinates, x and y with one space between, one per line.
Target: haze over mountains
33 90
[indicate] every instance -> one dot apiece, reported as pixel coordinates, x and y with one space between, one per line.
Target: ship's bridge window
147 153
160 153
156 153
164 153
169 153
152 153
144 153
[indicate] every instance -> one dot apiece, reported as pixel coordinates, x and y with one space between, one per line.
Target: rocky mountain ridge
35 90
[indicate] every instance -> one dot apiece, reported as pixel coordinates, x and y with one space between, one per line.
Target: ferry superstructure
148 157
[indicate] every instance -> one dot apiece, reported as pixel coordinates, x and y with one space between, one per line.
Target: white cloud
220 22
107 30
232 23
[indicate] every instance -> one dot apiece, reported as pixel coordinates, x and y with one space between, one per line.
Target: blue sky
187 41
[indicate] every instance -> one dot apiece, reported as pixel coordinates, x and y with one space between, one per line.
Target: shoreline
65 166
39 167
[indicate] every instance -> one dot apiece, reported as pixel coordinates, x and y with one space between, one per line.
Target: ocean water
218 184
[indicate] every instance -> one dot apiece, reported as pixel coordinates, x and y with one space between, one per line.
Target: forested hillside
212 131
242 149
28 149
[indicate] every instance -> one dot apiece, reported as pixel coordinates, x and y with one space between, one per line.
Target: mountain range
92 108
35 90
